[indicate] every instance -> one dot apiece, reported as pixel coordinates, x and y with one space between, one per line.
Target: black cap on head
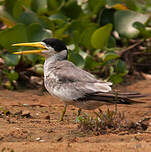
58 45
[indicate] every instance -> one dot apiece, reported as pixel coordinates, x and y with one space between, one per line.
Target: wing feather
69 82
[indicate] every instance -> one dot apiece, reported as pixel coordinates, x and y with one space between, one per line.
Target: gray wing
70 82
66 70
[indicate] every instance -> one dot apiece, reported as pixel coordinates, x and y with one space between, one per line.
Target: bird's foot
63 113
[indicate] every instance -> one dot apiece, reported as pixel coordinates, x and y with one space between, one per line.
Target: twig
129 48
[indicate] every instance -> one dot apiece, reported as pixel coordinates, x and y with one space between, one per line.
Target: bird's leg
63 112
79 111
115 108
116 100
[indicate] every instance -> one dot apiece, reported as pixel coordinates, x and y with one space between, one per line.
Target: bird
71 84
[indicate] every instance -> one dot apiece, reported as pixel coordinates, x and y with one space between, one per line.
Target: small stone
41 140
26 114
38 139
25 105
58 138
37 114
47 117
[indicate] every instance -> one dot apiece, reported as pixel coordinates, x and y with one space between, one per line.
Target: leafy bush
92 30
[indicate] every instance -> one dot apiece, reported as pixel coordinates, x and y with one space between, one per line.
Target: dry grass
110 122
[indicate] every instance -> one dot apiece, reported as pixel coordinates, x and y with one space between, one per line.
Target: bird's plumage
58 45
71 84
76 86
68 82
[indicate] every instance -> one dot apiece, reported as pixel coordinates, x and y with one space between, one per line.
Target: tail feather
115 98
131 94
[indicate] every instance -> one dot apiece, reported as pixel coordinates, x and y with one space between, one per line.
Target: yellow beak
35 44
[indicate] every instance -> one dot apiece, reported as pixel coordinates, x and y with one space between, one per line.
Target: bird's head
46 47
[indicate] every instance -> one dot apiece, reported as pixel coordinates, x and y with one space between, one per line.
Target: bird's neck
57 57
51 60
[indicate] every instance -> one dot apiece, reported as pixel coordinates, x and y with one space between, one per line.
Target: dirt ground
29 123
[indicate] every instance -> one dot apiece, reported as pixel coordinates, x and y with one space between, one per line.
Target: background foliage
95 31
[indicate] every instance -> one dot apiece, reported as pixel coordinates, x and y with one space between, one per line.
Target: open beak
34 44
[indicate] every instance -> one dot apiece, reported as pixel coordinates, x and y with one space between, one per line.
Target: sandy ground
29 122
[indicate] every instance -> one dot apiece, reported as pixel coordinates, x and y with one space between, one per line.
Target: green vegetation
110 122
94 30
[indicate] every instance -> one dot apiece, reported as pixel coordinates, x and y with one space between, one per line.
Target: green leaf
111 42
106 16
13 35
11 60
110 56
116 78
38 68
72 9
132 5
80 25
26 3
28 17
58 16
144 31
76 25
100 37
60 33
90 63
47 23
52 4
113 2
32 58
58 20
12 75
85 37
39 6
9 5
76 59
8 85
120 67
18 9
76 36
124 20
37 33
96 5
139 26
